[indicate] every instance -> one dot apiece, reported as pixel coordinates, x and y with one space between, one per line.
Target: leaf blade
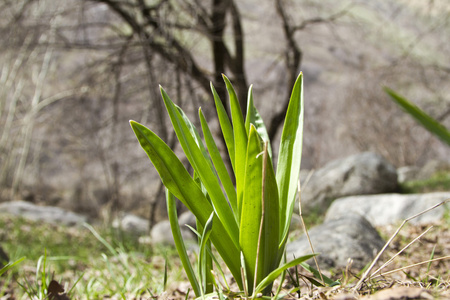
289 158
251 206
179 244
221 169
196 154
176 178
275 273
225 125
253 117
428 122
240 141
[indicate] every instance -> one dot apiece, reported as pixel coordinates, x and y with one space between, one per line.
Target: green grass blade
101 239
253 117
225 125
423 118
178 181
274 274
11 265
221 169
202 165
179 244
289 158
204 261
240 141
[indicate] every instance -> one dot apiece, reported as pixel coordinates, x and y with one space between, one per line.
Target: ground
115 266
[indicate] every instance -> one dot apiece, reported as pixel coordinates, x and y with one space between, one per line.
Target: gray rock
361 174
133 224
50 214
161 233
338 241
391 208
187 218
407 173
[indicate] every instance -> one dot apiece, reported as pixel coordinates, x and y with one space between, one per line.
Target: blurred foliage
440 181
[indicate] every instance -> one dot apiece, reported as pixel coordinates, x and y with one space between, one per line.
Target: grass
118 267
117 264
439 182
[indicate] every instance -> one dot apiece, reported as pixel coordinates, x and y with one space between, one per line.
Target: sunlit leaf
422 117
289 158
240 141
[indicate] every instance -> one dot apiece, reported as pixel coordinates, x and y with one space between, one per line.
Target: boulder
133 224
50 214
407 173
161 233
338 241
361 174
389 209
187 218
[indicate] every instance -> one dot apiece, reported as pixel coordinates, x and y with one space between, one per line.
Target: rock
337 241
133 224
388 209
361 174
50 214
407 173
187 218
161 233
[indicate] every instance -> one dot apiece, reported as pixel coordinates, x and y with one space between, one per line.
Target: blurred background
73 72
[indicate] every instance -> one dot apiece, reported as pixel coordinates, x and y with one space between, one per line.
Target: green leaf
203 166
221 169
178 181
259 232
253 117
423 118
269 237
328 281
240 141
204 261
179 244
251 206
225 125
275 273
289 158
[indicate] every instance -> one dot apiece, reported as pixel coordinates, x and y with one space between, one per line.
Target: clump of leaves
248 224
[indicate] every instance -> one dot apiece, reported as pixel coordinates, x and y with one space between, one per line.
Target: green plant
248 224
423 118
44 286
